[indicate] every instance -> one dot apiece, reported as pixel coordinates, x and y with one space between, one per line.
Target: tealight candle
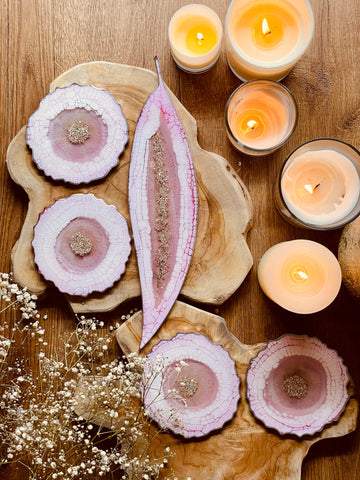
195 33
301 276
260 116
319 185
265 38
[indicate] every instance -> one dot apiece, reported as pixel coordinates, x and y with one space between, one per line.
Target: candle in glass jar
195 33
301 276
260 116
265 38
320 184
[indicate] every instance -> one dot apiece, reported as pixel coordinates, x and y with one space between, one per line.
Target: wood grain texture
221 258
243 449
40 39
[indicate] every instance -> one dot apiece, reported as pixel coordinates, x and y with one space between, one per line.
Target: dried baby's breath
81 414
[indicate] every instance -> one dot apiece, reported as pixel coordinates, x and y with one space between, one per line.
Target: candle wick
265 27
200 38
310 188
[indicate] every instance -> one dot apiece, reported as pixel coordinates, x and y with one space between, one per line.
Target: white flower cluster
15 296
78 413
12 296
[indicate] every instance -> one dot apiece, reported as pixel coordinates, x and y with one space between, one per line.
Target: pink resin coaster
297 385
199 389
77 133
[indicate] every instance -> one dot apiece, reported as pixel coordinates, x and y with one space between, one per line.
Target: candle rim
279 86
215 47
330 226
271 64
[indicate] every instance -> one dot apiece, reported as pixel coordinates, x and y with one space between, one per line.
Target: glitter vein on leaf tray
163 206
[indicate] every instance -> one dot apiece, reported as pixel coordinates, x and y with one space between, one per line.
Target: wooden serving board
221 257
243 449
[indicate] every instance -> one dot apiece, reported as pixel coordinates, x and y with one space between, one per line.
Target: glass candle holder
319 185
301 276
195 33
260 116
265 38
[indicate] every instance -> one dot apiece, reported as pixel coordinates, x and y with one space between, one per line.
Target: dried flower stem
47 418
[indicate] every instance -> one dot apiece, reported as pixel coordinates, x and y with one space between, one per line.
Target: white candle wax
195 33
265 38
301 276
320 183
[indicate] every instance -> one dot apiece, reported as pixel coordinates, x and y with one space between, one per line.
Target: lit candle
265 38
195 33
260 116
319 185
301 276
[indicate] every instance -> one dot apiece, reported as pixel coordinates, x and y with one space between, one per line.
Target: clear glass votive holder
260 116
319 185
265 39
195 35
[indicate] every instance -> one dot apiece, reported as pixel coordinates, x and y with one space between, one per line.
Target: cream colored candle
195 33
265 38
260 116
320 184
301 276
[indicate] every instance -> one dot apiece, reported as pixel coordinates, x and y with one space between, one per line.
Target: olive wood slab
221 258
243 449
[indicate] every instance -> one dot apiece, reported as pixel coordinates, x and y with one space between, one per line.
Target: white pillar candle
260 116
319 185
265 38
195 33
301 276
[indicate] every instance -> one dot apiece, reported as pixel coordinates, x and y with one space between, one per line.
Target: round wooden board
221 258
243 449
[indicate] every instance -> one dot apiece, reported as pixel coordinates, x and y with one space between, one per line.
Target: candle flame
199 38
299 275
311 188
251 125
265 27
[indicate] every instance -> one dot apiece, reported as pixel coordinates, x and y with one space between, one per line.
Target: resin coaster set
94 181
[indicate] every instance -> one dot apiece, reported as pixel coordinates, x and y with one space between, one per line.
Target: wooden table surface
40 39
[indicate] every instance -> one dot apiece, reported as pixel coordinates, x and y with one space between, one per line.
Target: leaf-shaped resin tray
221 258
244 449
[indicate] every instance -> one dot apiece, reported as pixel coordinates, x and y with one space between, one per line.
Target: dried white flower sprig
78 413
